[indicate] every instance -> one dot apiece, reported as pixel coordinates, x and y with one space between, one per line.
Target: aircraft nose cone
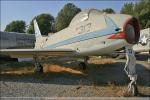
132 30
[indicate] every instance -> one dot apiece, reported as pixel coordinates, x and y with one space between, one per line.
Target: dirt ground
64 78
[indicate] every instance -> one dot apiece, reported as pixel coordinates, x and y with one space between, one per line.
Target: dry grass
46 68
94 67
118 91
20 71
60 69
122 93
101 61
27 68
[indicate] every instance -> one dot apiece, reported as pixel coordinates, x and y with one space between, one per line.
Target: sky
27 9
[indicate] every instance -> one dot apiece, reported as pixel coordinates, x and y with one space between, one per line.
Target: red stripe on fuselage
120 35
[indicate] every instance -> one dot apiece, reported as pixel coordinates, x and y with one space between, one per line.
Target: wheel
133 90
82 66
39 69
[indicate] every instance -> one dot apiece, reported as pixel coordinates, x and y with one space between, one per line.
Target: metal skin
90 33
90 38
144 42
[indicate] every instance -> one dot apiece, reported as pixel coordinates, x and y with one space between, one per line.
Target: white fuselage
88 34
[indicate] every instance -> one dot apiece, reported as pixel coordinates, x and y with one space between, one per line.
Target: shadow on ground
107 73
68 73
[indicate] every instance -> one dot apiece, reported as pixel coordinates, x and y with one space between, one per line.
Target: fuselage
92 32
144 42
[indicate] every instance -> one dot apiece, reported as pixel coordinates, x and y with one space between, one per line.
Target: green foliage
141 10
65 16
45 23
109 11
128 8
16 26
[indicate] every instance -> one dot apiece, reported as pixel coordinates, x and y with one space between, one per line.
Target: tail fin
36 29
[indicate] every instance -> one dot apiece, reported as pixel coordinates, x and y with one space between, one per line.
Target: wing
27 53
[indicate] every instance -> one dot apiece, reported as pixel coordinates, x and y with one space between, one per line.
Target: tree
128 8
16 26
141 10
45 23
109 11
65 16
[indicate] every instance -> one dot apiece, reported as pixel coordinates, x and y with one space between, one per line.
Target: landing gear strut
83 64
38 66
132 86
131 71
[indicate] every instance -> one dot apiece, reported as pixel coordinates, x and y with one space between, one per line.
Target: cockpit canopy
84 15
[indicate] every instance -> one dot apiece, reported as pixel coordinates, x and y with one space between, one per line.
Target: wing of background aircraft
29 53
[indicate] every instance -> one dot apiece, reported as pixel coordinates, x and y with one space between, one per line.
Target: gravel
95 84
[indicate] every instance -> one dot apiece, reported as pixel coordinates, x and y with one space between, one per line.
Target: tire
39 69
82 66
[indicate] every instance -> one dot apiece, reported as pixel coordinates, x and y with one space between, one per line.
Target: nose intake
132 30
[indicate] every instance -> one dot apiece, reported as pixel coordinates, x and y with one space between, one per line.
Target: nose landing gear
131 71
132 86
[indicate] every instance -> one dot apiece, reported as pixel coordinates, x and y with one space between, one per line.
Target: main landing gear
38 66
83 64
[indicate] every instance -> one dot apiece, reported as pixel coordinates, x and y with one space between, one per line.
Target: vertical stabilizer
36 29
38 36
